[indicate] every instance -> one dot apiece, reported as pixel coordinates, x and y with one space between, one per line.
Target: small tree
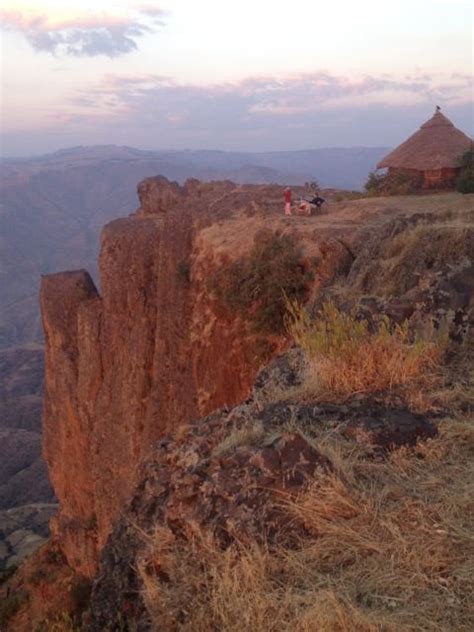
465 184
393 183
373 182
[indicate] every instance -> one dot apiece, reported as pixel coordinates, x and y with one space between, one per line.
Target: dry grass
410 257
386 547
248 435
345 357
436 244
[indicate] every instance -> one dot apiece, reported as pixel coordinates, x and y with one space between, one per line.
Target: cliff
157 350
149 353
154 349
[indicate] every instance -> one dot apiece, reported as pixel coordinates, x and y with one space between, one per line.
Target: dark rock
400 310
459 289
284 372
389 429
189 486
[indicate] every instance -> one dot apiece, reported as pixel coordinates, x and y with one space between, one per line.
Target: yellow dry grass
386 547
346 358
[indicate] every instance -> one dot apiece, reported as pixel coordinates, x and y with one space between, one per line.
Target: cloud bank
258 114
267 105
87 36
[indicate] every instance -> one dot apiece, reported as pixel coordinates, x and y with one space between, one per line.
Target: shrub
10 605
6 573
80 593
255 287
465 184
345 357
395 183
61 623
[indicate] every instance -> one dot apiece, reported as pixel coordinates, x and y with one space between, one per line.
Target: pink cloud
84 36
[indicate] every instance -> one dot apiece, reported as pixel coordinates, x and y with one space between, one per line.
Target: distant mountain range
344 168
54 206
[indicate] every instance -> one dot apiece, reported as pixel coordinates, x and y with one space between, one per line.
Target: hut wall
440 178
432 178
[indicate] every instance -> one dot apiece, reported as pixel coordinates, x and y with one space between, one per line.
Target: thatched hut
433 152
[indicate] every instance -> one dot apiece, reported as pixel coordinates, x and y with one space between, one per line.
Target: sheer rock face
117 374
124 367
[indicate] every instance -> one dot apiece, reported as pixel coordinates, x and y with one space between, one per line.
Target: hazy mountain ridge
53 206
332 166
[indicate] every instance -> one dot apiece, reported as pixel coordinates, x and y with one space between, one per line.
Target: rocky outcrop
125 367
22 530
225 478
154 350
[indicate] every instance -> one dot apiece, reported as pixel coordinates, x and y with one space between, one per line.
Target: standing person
287 201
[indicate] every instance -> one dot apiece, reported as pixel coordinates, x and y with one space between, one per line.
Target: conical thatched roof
436 145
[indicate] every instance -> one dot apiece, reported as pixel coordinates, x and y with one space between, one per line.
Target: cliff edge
158 348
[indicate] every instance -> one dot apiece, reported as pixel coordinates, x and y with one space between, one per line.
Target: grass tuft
249 435
346 357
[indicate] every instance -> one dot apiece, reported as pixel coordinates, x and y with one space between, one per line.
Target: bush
465 184
6 573
255 287
80 593
60 623
10 605
395 183
345 357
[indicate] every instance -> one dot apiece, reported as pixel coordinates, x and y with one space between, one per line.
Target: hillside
171 340
26 497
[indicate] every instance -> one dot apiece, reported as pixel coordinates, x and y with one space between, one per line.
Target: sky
255 75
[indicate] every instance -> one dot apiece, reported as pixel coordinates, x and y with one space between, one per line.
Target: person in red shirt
287 201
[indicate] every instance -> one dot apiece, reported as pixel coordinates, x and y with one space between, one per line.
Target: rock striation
127 365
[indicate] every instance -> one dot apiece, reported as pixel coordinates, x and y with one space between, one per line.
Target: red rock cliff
147 354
